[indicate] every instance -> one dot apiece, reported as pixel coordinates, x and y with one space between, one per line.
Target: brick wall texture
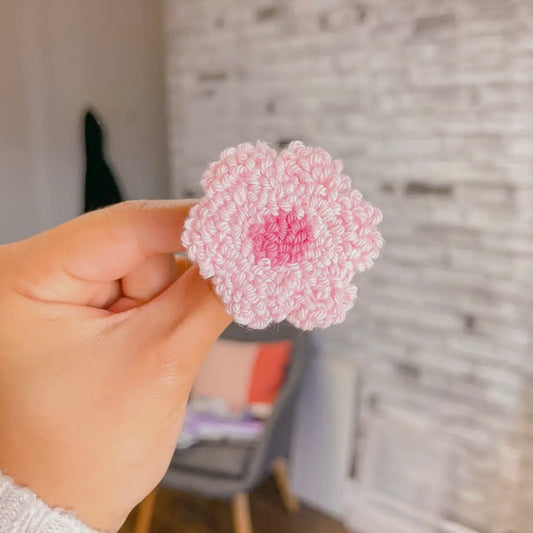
430 105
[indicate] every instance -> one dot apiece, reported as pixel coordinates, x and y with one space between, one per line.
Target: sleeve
21 511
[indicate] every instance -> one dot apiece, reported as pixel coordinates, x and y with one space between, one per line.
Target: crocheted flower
282 236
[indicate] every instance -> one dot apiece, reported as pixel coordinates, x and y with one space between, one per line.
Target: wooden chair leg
281 474
145 511
242 521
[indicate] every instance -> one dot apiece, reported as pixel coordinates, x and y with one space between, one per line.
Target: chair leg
281 475
144 513
242 521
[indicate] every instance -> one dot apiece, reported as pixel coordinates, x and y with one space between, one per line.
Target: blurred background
416 415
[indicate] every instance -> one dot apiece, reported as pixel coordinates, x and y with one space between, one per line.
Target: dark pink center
282 239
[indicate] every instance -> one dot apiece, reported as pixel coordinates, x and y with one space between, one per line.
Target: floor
183 513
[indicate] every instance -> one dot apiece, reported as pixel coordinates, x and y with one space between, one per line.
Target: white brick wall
430 104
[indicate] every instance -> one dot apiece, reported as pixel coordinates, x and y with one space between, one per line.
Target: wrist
37 499
20 505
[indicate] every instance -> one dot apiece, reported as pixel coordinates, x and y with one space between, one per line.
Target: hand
100 343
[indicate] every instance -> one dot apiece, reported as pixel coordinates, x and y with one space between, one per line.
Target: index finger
106 244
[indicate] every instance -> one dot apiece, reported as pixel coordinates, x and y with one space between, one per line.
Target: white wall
323 434
56 58
16 185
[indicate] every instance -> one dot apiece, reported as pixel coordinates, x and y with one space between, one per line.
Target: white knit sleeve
21 511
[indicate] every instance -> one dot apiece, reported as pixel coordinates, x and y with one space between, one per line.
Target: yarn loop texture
282 236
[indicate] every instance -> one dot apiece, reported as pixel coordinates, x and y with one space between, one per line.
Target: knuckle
135 205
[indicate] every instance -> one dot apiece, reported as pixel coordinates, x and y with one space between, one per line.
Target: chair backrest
276 332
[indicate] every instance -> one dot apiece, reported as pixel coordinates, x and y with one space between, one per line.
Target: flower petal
282 236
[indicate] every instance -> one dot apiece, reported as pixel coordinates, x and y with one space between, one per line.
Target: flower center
282 239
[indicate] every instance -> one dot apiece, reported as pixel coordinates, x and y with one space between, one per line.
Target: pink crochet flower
282 236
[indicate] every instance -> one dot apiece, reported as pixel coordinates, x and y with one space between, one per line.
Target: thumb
188 314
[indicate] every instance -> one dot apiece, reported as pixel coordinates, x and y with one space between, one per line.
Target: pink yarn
282 239
282 236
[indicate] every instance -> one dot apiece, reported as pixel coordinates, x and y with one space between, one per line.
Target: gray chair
230 470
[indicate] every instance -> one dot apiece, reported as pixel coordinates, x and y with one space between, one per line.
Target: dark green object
101 186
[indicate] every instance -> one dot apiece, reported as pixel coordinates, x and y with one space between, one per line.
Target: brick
418 188
267 13
212 76
435 23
